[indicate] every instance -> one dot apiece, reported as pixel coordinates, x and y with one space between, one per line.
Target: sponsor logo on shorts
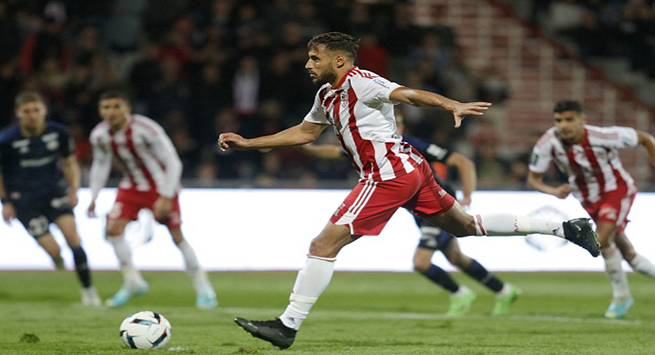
38 226
336 213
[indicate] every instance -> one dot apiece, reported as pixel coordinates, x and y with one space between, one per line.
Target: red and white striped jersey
144 152
362 115
593 166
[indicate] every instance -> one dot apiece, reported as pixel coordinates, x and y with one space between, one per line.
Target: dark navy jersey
432 153
429 151
30 165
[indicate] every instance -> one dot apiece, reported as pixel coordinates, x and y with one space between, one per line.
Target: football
146 330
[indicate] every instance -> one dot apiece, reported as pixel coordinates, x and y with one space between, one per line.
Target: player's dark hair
28 96
335 42
568 105
114 94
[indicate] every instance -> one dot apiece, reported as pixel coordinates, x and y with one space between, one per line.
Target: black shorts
37 215
433 237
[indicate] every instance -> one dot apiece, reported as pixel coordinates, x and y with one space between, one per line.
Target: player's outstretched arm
535 181
305 132
422 98
467 175
648 141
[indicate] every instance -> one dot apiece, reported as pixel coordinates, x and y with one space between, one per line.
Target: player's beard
328 76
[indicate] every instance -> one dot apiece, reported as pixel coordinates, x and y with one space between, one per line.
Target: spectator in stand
492 87
246 86
146 71
209 93
10 84
9 42
564 15
87 44
124 33
308 21
433 51
48 43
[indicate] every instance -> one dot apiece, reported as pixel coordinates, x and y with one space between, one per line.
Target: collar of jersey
127 123
343 79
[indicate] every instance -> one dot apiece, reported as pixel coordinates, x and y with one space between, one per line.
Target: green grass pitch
360 313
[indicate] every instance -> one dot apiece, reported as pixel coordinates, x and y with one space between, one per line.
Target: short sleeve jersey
30 164
362 115
593 166
143 151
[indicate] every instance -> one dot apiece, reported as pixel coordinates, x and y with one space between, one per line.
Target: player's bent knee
330 241
458 260
421 266
320 247
324 247
629 254
74 244
469 225
464 228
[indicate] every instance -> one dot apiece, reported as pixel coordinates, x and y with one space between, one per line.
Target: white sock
643 265
131 276
504 224
615 273
200 279
504 291
463 290
310 284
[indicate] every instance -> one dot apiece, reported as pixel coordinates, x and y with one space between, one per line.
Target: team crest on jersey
51 140
534 158
344 99
22 145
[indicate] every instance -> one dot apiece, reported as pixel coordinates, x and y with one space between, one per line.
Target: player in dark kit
434 238
35 190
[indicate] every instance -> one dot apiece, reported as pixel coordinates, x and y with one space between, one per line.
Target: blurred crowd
201 67
603 28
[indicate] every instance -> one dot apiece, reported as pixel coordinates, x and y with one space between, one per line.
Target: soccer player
151 179
434 238
359 105
39 182
589 156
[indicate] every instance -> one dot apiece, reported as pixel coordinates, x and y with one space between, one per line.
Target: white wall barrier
241 229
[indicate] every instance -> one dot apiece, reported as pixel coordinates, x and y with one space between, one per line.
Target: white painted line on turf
264 312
